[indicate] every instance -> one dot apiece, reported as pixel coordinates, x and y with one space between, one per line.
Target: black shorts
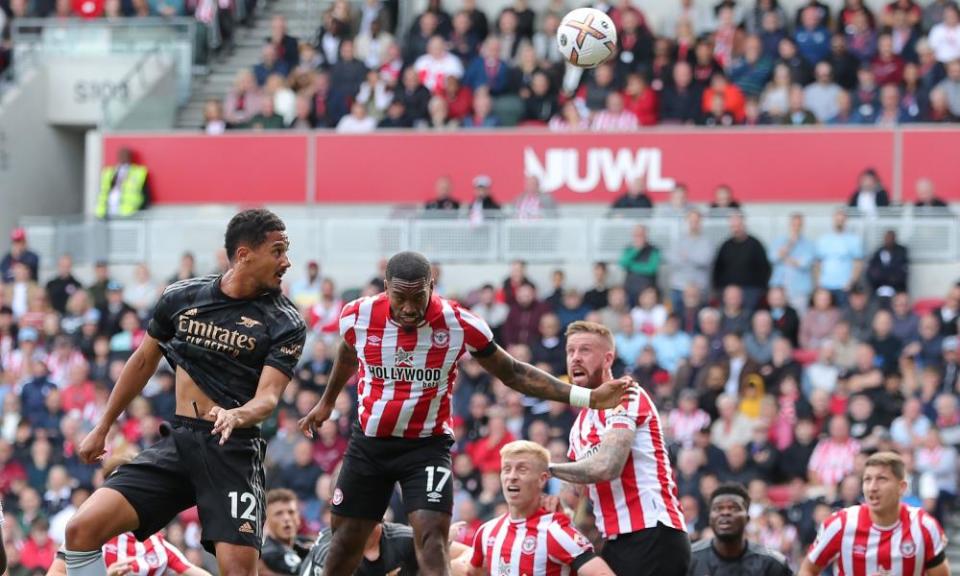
372 466
660 551
189 467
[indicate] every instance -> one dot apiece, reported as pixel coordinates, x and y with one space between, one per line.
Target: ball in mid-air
587 37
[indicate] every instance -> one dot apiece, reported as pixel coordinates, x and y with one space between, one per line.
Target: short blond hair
584 327
890 460
527 448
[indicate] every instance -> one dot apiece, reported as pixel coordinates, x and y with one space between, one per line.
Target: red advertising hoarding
199 169
816 165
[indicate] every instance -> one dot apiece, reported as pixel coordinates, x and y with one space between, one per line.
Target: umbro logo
249 322
246 528
190 312
374 340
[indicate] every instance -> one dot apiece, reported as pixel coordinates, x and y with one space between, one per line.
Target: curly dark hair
250 227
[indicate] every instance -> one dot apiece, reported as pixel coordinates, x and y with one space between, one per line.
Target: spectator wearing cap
483 202
63 286
19 253
124 188
869 194
840 257
113 310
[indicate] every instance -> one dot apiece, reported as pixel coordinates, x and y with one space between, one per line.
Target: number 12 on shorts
244 498
441 474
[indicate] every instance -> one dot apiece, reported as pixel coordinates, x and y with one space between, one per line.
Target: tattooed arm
532 381
523 377
605 464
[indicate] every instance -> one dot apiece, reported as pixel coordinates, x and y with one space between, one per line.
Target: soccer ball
587 37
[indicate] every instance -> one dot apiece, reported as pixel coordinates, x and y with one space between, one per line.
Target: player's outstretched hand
226 421
91 449
119 569
611 394
310 423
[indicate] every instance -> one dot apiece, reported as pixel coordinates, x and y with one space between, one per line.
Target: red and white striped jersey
860 548
833 460
149 558
645 492
406 376
543 544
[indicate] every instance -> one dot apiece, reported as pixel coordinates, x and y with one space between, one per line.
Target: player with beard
404 345
283 551
234 340
729 553
883 536
620 454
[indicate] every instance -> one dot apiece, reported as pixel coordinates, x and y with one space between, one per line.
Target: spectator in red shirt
79 392
88 9
639 99
485 452
887 66
523 320
329 448
38 549
11 471
732 96
459 98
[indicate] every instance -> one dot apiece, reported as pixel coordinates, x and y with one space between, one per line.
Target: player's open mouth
578 372
513 489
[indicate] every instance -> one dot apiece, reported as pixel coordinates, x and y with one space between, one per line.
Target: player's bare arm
259 408
532 381
344 367
942 569
136 372
605 464
808 568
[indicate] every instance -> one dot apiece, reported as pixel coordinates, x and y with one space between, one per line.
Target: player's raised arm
136 372
532 381
605 464
344 367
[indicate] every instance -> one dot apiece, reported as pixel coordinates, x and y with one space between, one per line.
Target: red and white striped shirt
833 460
645 493
861 548
543 544
149 558
406 376
684 426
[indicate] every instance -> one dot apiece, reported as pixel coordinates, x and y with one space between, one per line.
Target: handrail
136 71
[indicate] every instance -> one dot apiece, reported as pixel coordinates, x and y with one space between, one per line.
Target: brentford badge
337 497
441 338
152 560
908 549
529 545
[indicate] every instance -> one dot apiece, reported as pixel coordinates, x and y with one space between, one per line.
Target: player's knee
83 534
433 543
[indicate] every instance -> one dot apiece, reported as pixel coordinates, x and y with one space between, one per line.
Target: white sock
85 563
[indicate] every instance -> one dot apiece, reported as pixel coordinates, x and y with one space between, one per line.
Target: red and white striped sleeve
476 334
348 318
934 539
176 561
476 559
564 543
829 540
630 414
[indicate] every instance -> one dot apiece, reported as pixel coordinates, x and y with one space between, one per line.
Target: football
587 37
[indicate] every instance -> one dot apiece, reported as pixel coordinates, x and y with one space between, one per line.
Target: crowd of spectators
778 366
732 63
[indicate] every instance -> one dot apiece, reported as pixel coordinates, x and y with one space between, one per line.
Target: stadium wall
41 167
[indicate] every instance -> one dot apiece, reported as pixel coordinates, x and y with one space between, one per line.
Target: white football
587 37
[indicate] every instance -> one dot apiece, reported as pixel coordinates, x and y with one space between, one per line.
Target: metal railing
36 40
929 238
